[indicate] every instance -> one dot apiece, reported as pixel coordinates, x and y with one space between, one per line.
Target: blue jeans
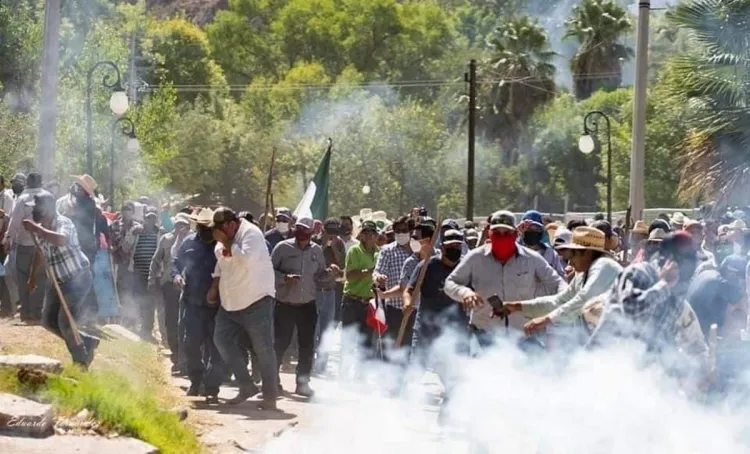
325 300
256 321
56 321
203 360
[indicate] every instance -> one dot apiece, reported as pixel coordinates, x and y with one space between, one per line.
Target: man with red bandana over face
504 268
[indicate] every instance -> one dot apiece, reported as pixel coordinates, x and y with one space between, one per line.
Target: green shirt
358 259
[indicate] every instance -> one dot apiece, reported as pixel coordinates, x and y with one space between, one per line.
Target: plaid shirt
66 261
390 262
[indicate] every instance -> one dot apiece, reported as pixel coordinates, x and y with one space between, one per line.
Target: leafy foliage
598 25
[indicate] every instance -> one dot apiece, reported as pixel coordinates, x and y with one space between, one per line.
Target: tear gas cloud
604 401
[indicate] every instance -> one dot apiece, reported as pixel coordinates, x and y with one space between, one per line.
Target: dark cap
369 225
450 223
19 177
42 199
453 237
502 220
425 229
222 215
284 213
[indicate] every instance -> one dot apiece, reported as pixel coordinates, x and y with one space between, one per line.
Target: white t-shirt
247 276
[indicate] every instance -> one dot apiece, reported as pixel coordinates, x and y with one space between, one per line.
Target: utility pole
638 155
133 77
471 78
48 113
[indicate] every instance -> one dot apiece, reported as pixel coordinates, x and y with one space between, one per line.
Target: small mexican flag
314 203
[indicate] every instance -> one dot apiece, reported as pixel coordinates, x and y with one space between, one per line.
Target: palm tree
598 25
713 78
516 78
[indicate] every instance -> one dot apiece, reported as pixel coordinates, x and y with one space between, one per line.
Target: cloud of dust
604 401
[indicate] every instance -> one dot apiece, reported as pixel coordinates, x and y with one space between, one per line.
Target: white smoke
598 402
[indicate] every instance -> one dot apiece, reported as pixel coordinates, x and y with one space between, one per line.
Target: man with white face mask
388 271
283 230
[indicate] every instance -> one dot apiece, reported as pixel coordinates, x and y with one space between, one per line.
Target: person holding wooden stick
70 273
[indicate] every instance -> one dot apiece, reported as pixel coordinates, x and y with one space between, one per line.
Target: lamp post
118 103
126 128
587 144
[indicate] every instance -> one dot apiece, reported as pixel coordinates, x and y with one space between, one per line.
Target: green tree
182 55
712 78
517 78
20 51
598 25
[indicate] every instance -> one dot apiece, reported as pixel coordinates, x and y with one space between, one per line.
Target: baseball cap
222 215
472 234
284 213
18 177
453 236
369 225
452 224
426 230
502 220
305 222
151 212
533 216
562 236
181 218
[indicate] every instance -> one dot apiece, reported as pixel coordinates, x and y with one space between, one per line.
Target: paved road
242 428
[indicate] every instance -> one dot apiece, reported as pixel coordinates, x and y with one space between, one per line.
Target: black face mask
532 237
17 188
687 268
453 254
205 234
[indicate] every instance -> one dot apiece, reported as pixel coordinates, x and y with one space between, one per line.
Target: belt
357 298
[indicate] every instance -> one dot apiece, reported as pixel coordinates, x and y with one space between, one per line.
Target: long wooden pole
268 189
417 286
53 277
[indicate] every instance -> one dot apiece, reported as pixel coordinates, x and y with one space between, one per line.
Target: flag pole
417 286
268 189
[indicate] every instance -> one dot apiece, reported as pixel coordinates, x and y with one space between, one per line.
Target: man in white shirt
7 305
21 243
244 281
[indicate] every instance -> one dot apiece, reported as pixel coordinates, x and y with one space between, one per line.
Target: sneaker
194 390
245 393
304 390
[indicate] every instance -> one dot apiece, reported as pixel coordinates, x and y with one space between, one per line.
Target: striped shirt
145 248
390 262
66 261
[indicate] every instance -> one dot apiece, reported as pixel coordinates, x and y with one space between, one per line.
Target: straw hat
587 238
203 216
87 183
640 227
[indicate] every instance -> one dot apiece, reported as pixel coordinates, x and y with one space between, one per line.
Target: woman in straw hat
596 271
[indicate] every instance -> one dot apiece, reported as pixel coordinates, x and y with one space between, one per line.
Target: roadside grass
127 391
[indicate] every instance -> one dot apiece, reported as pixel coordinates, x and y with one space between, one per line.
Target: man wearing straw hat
68 265
596 271
191 270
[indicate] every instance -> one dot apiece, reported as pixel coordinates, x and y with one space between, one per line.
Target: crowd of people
230 294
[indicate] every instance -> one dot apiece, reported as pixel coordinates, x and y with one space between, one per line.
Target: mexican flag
314 203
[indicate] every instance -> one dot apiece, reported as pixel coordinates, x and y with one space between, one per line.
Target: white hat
737 225
657 235
203 216
181 218
562 236
678 219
